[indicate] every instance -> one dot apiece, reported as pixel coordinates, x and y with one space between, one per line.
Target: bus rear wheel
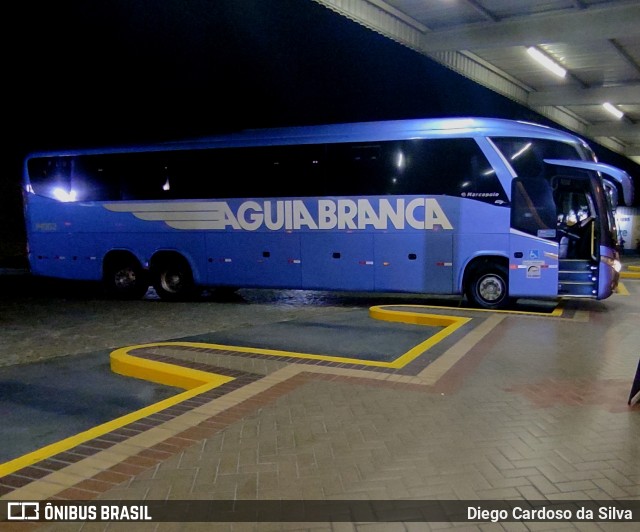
173 280
488 287
125 279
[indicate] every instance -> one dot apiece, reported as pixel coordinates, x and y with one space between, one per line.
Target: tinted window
455 167
533 208
49 175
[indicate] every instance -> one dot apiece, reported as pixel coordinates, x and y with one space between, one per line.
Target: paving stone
531 414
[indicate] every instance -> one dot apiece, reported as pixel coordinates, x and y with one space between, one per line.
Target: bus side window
189 174
293 171
145 175
47 175
430 168
533 208
453 167
96 178
361 168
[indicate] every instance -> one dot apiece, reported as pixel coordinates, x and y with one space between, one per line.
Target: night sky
100 72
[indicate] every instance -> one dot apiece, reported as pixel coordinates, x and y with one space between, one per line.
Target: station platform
385 402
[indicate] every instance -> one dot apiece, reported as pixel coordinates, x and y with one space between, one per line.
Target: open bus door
589 264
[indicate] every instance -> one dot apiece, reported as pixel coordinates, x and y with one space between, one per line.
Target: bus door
533 267
586 204
533 246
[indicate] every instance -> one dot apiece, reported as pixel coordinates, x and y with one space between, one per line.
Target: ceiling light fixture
547 62
613 110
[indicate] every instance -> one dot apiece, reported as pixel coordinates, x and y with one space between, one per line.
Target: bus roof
348 132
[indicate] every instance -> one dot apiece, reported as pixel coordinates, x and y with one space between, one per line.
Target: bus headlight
614 263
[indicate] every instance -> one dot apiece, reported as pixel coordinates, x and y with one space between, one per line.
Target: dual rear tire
124 278
171 277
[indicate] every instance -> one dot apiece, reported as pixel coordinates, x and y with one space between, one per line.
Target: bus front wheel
125 279
488 287
173 280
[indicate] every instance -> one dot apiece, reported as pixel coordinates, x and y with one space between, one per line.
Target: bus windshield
527 158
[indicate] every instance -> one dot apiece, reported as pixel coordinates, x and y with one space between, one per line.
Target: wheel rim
125 278
172 281
491 288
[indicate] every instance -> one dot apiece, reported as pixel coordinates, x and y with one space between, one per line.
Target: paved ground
42 403
507 406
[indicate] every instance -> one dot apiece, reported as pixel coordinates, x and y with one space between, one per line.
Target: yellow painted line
441 365
450 324
179 376
630 275
634 268
622 289
557 311
194 381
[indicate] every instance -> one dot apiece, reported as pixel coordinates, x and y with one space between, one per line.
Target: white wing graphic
179 214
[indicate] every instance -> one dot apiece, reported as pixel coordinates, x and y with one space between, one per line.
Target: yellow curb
450 324
197 382
630 275
168 374
194 381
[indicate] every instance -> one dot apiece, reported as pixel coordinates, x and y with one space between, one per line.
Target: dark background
103 72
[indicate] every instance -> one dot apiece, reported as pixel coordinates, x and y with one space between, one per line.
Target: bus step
577 265
577 276
578 289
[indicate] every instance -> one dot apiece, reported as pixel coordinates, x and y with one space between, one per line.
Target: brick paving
512 407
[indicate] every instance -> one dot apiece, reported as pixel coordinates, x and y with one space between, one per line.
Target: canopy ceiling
596 41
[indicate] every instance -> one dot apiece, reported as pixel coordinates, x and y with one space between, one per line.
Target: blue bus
490 209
